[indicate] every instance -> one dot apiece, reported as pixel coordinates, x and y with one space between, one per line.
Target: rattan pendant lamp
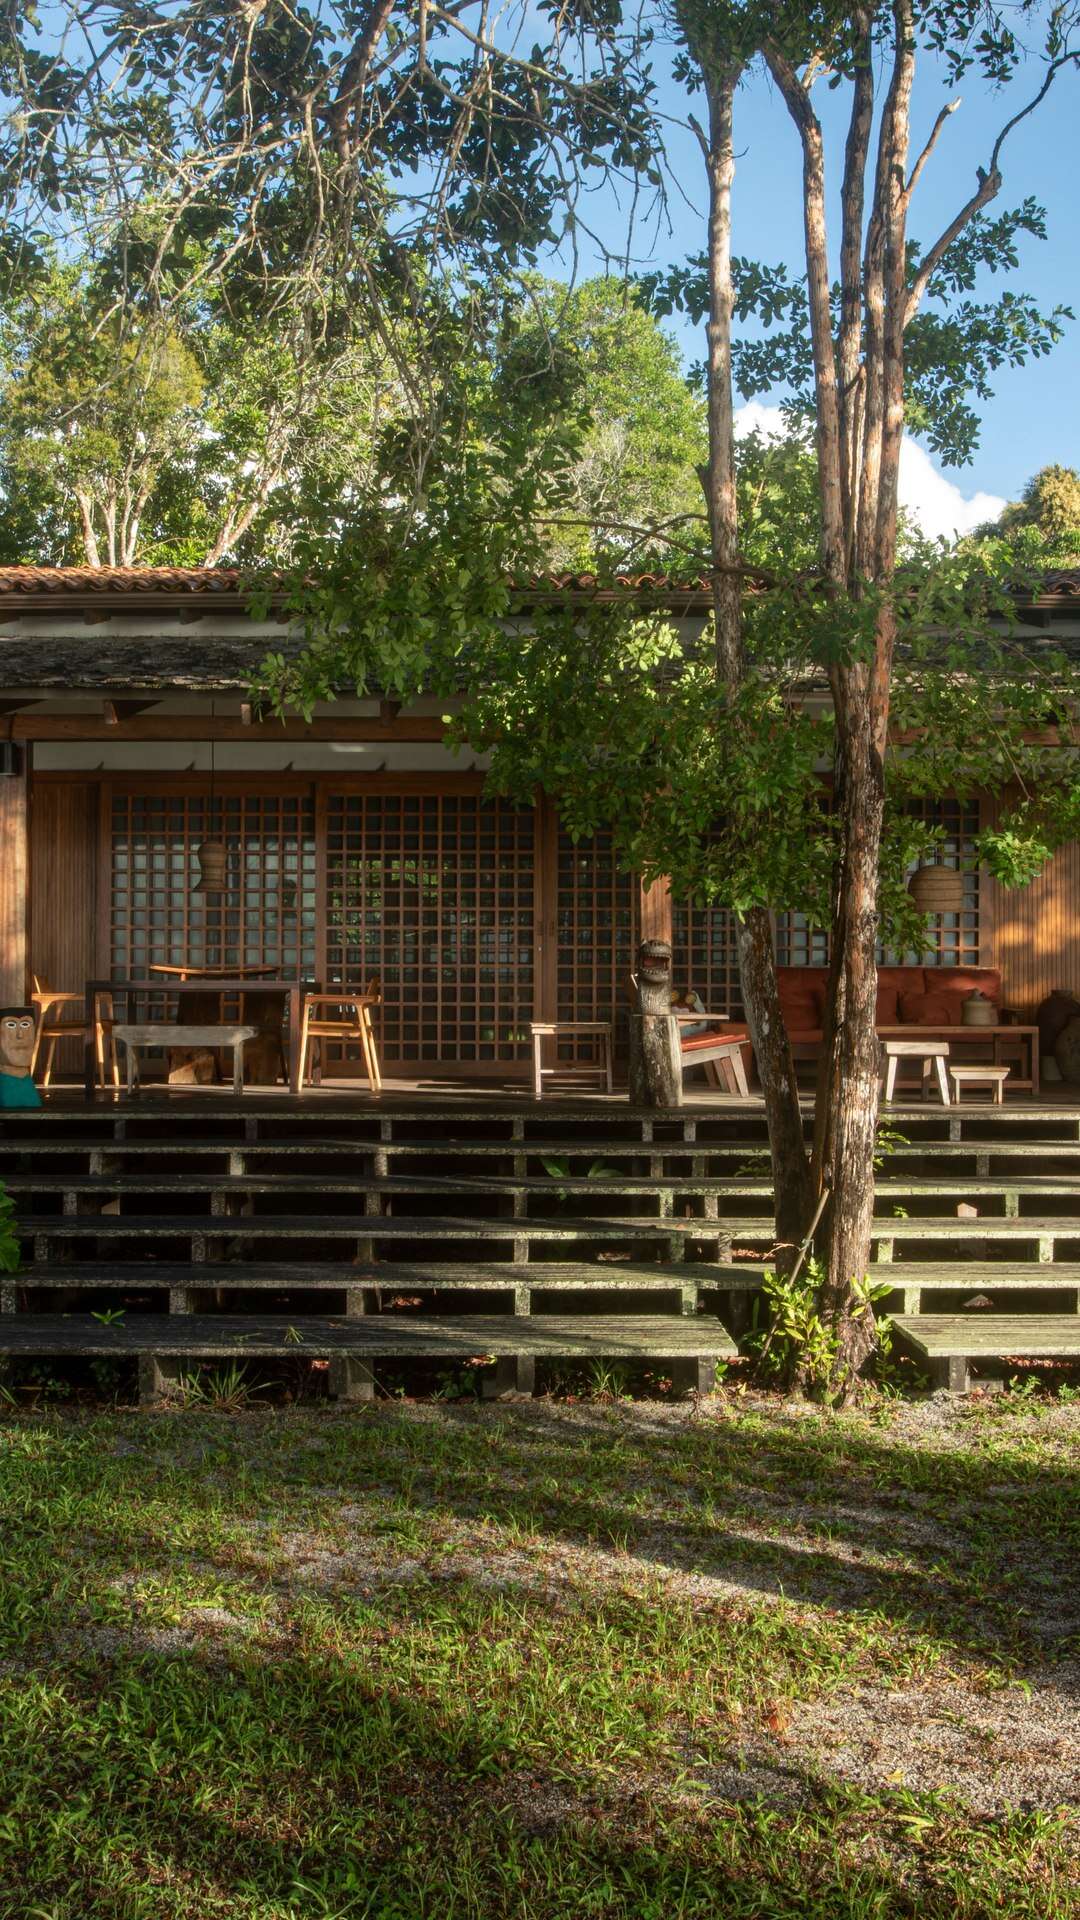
937 889
211 855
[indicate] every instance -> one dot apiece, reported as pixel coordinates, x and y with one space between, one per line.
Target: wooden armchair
349 1022
52 1030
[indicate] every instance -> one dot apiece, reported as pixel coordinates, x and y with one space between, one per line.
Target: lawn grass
447 1661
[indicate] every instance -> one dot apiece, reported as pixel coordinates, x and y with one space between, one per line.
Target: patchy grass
634 1661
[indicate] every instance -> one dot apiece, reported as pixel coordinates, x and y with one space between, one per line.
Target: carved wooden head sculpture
18 1028
654 963
18 1031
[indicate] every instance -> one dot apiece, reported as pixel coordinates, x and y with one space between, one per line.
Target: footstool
980 1076
932 1053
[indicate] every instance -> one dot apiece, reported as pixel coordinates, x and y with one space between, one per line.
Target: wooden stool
932 1053
542 1030
981 1076
159 1035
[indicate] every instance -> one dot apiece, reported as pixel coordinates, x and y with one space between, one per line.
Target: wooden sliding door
267 913
435 891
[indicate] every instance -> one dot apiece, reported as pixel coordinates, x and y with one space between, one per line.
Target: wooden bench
950 1342
158 1035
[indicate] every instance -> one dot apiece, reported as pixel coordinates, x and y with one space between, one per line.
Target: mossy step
443 1227
950 1342
389 1275
556 1149
692 1344
402 1334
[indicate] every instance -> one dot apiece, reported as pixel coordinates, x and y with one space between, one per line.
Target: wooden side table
932 1053
557 1030
984 1076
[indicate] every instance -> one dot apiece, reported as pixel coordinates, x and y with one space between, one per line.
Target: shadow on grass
152 1788
439 1666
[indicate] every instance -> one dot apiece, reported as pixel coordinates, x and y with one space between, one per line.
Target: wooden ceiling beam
118 712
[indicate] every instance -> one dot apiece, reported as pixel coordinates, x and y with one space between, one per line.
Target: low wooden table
542 1030
984 1076
1002 1045
159 1034
932 1053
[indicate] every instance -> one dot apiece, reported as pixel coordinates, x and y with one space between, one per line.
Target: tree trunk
848 1080
655 1057
793 1194
793 1189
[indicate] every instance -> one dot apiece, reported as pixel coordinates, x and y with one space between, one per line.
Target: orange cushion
964 980
695 1042
891 983
930 1009
802 993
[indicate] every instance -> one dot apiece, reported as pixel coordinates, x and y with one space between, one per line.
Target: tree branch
989 187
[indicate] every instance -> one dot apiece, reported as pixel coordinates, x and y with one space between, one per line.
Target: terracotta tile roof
29 581
61 583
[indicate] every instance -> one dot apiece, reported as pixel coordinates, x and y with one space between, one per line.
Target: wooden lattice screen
954 938
266 913
597 920
704 955
434 892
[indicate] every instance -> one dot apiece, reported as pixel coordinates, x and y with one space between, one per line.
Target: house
359 842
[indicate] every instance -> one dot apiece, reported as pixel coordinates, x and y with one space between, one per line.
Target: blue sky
1034 417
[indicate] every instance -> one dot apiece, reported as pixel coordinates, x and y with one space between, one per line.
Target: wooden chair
52 1031
350 1023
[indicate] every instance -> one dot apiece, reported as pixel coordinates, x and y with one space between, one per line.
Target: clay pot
1067 1051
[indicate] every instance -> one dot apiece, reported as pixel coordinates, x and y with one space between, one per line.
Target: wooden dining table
233 982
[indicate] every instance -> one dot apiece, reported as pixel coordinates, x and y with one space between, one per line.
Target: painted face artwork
17 1033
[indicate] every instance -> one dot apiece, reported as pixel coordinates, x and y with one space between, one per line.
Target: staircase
531 1233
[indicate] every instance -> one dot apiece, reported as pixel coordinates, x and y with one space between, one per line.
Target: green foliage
799 1342
1042 528
9 1239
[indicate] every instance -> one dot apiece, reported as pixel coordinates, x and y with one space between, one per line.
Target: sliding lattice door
434 892
267 912
596 934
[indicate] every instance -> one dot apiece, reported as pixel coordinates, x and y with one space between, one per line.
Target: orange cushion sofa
907 996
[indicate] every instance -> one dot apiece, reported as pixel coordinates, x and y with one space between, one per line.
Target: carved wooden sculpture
655 1055
18 1028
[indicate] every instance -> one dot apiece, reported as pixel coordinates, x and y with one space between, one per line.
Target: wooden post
13 888
655 1055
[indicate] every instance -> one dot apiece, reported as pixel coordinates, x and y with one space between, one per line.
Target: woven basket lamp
937 889
212 856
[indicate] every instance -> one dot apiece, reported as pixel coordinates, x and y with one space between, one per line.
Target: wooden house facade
358 843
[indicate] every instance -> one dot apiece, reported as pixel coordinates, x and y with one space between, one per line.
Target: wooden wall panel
13 879
1035 937
64 861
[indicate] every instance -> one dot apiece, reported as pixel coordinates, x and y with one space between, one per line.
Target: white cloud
939 505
